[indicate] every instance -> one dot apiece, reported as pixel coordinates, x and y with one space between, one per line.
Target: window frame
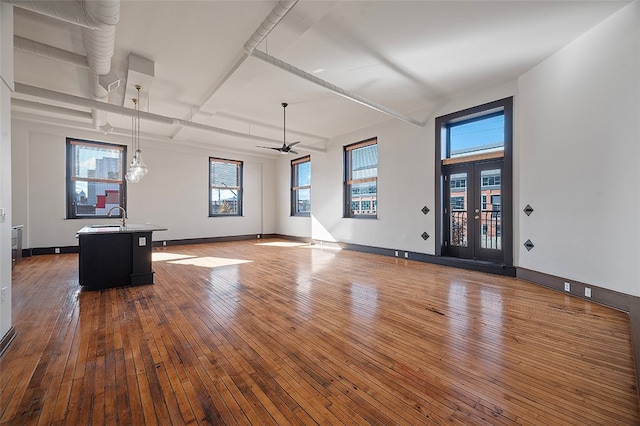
238 188
70 178
349 181
296 187
441 160
489 152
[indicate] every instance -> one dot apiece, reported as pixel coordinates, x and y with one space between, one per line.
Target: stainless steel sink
109 225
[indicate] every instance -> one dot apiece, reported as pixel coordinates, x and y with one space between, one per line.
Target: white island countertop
110 228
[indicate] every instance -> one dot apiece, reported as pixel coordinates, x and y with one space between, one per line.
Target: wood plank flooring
271 332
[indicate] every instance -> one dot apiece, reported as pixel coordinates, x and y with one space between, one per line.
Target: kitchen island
115 255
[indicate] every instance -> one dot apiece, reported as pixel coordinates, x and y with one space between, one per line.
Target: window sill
360 217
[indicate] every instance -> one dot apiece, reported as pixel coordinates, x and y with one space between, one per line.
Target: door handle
476 217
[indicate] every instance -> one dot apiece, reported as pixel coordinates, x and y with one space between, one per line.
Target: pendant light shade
137 168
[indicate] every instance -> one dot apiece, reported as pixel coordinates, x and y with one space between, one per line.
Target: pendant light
137 168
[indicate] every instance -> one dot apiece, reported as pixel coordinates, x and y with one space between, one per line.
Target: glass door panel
490 212
473 211
458 224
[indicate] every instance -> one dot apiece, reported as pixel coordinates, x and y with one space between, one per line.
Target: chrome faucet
124 214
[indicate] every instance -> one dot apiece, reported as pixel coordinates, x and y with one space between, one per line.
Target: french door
472 213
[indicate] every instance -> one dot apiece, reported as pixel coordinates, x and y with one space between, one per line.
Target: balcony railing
490 226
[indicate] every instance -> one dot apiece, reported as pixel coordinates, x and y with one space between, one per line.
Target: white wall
576 161
580 157
6 87
173 194
406 176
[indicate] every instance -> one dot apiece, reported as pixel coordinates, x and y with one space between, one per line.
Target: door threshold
491 267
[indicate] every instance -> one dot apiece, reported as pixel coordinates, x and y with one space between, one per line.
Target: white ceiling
408 56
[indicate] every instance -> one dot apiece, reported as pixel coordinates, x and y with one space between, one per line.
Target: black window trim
295 188
504 105
347 214
481 115
239 188
69 190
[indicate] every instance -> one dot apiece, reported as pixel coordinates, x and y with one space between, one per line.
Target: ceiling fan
284 149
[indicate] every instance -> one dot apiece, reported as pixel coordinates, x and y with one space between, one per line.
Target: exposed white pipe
89 14
39 92
331 87
41 49
270 22
97 19
99 45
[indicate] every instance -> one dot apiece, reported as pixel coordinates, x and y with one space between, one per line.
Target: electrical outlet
3 294
587 292
396 253
56 250
567 287
164 243
258 236
406 254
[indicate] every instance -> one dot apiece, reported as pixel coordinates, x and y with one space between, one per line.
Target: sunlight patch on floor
158 256
283 244
209 262
328 247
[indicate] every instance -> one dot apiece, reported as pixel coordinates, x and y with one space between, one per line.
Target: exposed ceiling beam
39 92
332 87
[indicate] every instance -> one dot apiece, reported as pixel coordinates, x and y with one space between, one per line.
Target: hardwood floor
270 332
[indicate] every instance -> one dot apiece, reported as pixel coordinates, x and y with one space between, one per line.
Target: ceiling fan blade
269 147
293 143
293 152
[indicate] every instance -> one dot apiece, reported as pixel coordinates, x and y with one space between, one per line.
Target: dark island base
115 259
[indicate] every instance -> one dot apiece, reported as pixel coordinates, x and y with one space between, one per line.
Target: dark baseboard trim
36 251
473 265
634 323
7 339
187 241
600 295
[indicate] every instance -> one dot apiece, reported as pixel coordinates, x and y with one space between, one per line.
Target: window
491 181
476 135
361 179
495 202
458 183
477 143
95 179
457 203
301 186
495 205
225 187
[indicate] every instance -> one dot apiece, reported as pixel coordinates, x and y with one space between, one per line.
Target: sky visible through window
86 158
304 179
478 135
